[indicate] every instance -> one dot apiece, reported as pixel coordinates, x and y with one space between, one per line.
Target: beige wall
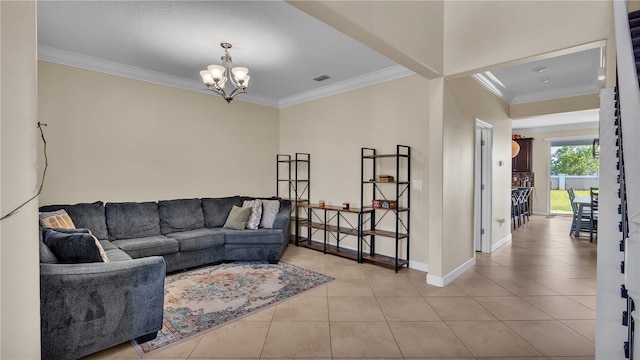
466 100
334 129
541 158
19 269
482 34
117 139
409 32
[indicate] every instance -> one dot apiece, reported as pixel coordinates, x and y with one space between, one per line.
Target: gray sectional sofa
89 307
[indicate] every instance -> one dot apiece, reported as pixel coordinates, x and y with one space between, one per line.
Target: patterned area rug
203 299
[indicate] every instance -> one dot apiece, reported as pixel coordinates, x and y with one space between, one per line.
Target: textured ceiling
283 47
568 75
169 42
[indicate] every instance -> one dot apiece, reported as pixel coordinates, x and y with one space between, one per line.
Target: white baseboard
417 265
543 213
445 280
495 246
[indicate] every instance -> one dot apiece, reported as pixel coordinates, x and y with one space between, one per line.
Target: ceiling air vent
321 77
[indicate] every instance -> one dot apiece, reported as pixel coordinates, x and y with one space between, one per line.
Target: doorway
482 186
572 165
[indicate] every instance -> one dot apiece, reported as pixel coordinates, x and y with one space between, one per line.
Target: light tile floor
534 298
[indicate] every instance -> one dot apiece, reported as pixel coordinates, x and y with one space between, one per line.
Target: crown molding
68 58
386 74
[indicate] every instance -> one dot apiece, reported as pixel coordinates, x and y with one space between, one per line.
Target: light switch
417 184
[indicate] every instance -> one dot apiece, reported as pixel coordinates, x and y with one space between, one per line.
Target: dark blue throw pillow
72 247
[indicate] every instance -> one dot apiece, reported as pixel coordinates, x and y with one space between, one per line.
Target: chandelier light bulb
215 79
240 73
207 79
217 72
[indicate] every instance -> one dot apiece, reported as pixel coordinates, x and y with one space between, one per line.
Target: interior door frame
483 198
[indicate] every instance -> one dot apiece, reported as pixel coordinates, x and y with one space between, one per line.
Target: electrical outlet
417 184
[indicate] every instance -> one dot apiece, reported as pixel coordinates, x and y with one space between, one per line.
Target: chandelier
215 77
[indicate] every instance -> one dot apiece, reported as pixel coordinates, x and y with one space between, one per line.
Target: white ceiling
566 75
169 42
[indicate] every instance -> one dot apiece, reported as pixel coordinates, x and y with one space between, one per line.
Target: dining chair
593 213
515 209
581 220
572 196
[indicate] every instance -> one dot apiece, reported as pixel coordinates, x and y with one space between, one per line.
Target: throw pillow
270 209
73 247
238 217
56 219
256 213
103 254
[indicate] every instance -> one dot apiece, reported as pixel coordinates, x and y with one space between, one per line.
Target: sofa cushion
256 213
180 215
73 247
237 218
85 215
216 210
116 254
132 220
148 246
198 239
107 245
253 237
270 209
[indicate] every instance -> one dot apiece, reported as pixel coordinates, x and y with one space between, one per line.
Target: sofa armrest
86 308
283 216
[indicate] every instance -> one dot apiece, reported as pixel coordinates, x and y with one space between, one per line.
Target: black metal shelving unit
294 173
398 190
335 224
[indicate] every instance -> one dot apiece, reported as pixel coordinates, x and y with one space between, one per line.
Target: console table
336 223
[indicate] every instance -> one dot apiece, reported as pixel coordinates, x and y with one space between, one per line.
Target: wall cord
44 174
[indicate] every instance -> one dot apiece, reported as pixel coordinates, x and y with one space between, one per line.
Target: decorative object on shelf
385 178
345 206
515 149
321 203
216 76
384 204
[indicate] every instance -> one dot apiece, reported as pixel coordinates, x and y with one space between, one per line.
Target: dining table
583 202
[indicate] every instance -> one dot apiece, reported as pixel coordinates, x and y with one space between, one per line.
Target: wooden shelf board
385 233
384 260
292 180
330 228
342 230
402 209
312 225
352 210
331 249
